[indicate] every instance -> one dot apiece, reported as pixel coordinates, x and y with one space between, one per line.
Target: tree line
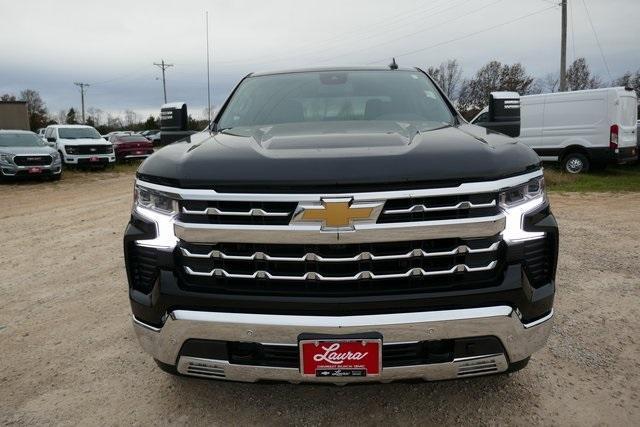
469 94
472 94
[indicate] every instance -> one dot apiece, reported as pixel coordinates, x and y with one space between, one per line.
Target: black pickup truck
341 225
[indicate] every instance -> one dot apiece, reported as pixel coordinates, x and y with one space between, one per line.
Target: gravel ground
69 355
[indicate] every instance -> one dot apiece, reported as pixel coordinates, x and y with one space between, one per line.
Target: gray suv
23 153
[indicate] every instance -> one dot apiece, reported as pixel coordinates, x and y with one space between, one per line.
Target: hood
312 156
83 141
27 150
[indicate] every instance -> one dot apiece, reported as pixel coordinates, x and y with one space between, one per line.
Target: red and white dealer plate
35 170
94 159
341 357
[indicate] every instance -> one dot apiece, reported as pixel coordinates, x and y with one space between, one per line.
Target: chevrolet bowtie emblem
338 214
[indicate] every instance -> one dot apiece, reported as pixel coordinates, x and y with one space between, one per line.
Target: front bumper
519 340
85 159
10 169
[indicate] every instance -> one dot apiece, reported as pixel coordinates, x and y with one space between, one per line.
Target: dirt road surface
68 354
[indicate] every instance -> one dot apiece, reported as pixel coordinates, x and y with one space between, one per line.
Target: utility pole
163 67
563 48
83 88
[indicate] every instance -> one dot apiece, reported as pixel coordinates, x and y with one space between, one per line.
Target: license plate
35 170
341 357
94 159
139 152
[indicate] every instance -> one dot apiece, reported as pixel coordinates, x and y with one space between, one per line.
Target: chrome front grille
355 269
35 160
236 212
404 209
440 208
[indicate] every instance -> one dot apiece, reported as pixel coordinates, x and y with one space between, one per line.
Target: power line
595 34
381 30
563 48
119 77
573 34
465 36
381 33
414 33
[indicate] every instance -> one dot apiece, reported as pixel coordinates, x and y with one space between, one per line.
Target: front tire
575 163
169 369
517 366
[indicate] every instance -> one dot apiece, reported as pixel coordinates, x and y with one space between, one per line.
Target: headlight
516 203
154 200
71 149
516 196
110 149
54 156
6 158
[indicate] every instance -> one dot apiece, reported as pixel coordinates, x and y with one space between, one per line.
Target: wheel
61 159
56 177
516 366
575 162
169 369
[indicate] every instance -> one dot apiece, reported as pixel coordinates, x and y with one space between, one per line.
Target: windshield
20 140
77 133
334 96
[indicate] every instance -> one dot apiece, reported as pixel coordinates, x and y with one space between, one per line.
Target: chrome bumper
13 169
519 340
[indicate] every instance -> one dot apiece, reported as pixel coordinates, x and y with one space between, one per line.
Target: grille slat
243 213
342 272
439 208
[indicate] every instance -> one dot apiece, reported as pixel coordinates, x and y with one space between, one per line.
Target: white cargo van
582 129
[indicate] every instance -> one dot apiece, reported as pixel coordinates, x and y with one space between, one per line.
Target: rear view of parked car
129 147
80 145
23 153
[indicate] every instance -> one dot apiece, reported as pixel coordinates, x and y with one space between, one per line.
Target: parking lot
69 355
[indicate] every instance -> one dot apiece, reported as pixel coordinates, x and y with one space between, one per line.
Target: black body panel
338 157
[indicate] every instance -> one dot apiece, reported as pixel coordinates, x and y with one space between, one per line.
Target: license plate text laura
340 358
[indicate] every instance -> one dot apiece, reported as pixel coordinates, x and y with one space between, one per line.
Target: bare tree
493 76
130 118
579 76
630 80
448 75
96 115
8 97
36 108
114 122
61 117
549 83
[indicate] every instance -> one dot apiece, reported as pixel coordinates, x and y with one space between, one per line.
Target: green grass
614 178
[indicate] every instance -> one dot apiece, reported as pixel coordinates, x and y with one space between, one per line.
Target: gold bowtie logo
338 213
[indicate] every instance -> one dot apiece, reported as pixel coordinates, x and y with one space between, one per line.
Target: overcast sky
112 45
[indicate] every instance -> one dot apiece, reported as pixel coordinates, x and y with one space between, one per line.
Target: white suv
80 145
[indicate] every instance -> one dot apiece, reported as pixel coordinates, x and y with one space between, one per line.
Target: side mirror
504 113
50 139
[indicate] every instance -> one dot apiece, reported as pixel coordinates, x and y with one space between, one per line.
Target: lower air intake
204 369
485 365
